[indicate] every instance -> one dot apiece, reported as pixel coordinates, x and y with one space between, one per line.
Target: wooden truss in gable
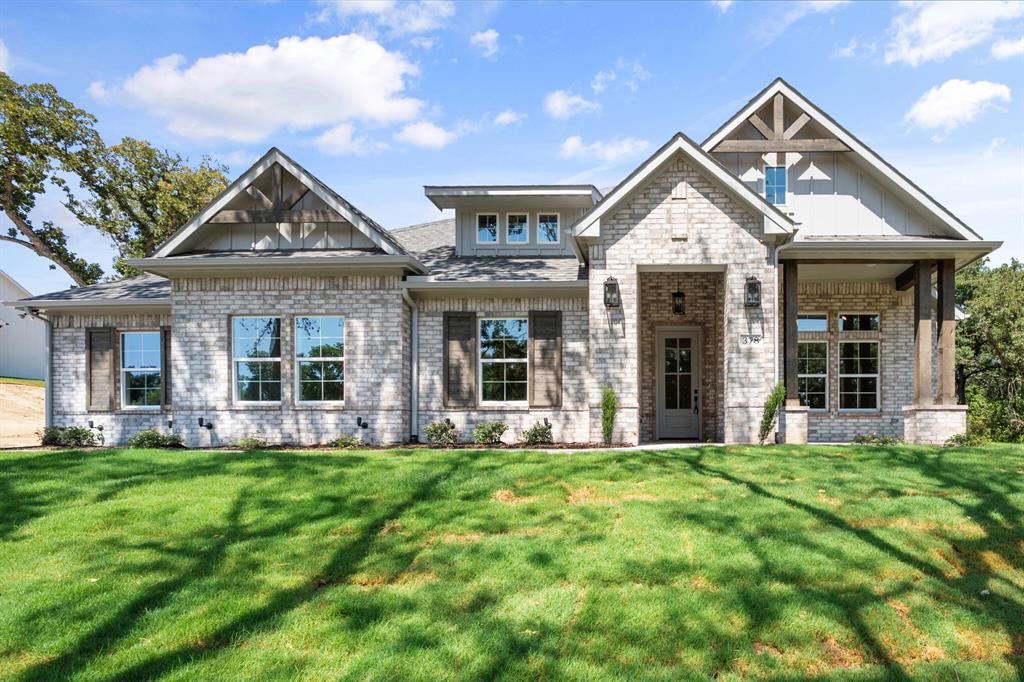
778 137
277 208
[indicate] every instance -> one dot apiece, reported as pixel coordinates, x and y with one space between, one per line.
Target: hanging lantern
611 293
678 303
752 293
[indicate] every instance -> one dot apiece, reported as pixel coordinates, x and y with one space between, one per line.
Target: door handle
696 407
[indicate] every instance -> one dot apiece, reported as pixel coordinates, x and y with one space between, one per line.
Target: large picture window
812 374
320 358
503 360
858 375
140 370
256 353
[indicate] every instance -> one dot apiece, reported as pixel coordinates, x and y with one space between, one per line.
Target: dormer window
547 228
775 184
516 229
487 228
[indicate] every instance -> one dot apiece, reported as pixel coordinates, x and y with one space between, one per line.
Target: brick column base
933 424
795 424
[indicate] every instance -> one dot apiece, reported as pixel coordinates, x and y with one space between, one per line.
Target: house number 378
748 339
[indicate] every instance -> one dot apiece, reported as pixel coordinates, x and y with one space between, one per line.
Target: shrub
442 433
771 411
609 406
73 436
151 438
252 442
345 440
966 440
874 439
489 433
538 434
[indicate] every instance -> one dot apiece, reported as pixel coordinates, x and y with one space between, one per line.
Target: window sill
255 406
321 406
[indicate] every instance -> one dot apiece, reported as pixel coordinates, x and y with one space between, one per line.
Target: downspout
414 380
47 376
778 336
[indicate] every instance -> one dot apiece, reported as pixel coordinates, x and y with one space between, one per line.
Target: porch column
789 294
923 333
947 333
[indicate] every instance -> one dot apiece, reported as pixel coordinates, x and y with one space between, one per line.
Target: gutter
171 264
778 336
414 380
48 376
77 304
428 284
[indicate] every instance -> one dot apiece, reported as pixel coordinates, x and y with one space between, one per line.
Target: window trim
121 370
799 376
526 232
815 313
785 183
480 362
235 360
839 321
558 232
497 229
296 359
877 375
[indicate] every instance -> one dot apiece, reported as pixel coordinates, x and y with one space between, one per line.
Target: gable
278 205
836 185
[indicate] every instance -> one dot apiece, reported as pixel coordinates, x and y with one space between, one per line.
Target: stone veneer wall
69 375
376 358
704 305
720 231
569 423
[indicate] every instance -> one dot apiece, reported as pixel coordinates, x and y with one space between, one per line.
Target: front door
678 414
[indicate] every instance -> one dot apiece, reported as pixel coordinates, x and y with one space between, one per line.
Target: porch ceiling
871 272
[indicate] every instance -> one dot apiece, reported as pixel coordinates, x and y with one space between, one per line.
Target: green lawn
853 563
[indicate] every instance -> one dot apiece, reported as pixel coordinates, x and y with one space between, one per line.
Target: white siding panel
22 340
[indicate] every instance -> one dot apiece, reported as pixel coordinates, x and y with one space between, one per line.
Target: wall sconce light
752 293
678 303
612 299
361 423
205 424
170 424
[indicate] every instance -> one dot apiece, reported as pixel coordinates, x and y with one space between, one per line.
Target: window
858 375
487 228
812 374
516 228
547 228
256 354
859 322
140 370
815 322
320 359
775 184
503 358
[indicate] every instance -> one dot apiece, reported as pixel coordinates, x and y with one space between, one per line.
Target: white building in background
22 338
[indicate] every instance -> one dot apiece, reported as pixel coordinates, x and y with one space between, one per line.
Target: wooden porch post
923 333
947 332
789 295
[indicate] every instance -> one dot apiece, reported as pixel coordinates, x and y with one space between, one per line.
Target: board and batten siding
22 339
465 232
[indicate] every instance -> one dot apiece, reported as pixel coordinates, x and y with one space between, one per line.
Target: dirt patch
463 538
760 648
509 497
842 656
22 414
585 495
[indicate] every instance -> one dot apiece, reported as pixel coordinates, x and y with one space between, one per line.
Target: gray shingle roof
145 287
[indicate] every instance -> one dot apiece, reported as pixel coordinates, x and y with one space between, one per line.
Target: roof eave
233 264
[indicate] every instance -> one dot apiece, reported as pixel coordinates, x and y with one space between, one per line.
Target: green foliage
346 440
771 411
151 438
252 442
489 433
609 407
538 434
441 433
68 436
966 440
874 439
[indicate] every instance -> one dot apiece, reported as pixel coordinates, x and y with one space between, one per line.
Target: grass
19 380
840 563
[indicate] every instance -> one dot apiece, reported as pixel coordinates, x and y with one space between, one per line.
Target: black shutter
100 368
460 359
546 359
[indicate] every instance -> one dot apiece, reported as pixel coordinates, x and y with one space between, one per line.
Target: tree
139 195
44 139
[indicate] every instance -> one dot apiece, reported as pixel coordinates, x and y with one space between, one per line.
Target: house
782 248
21 338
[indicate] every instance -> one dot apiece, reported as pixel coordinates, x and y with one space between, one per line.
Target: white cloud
425 134
508 117
486 42
563 104
627 72
608 151
722 5
770 29
848 50
341 139
936 30
5 58
397 18
425 42
300 83
955 103
1004 49
601 80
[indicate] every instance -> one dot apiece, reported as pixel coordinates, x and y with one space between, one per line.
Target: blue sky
380 98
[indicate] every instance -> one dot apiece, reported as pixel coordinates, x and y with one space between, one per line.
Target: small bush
771 411
442 434
538 434
252 442
489 433
609 406
68 436
151 438
966 440
345 441
874 439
